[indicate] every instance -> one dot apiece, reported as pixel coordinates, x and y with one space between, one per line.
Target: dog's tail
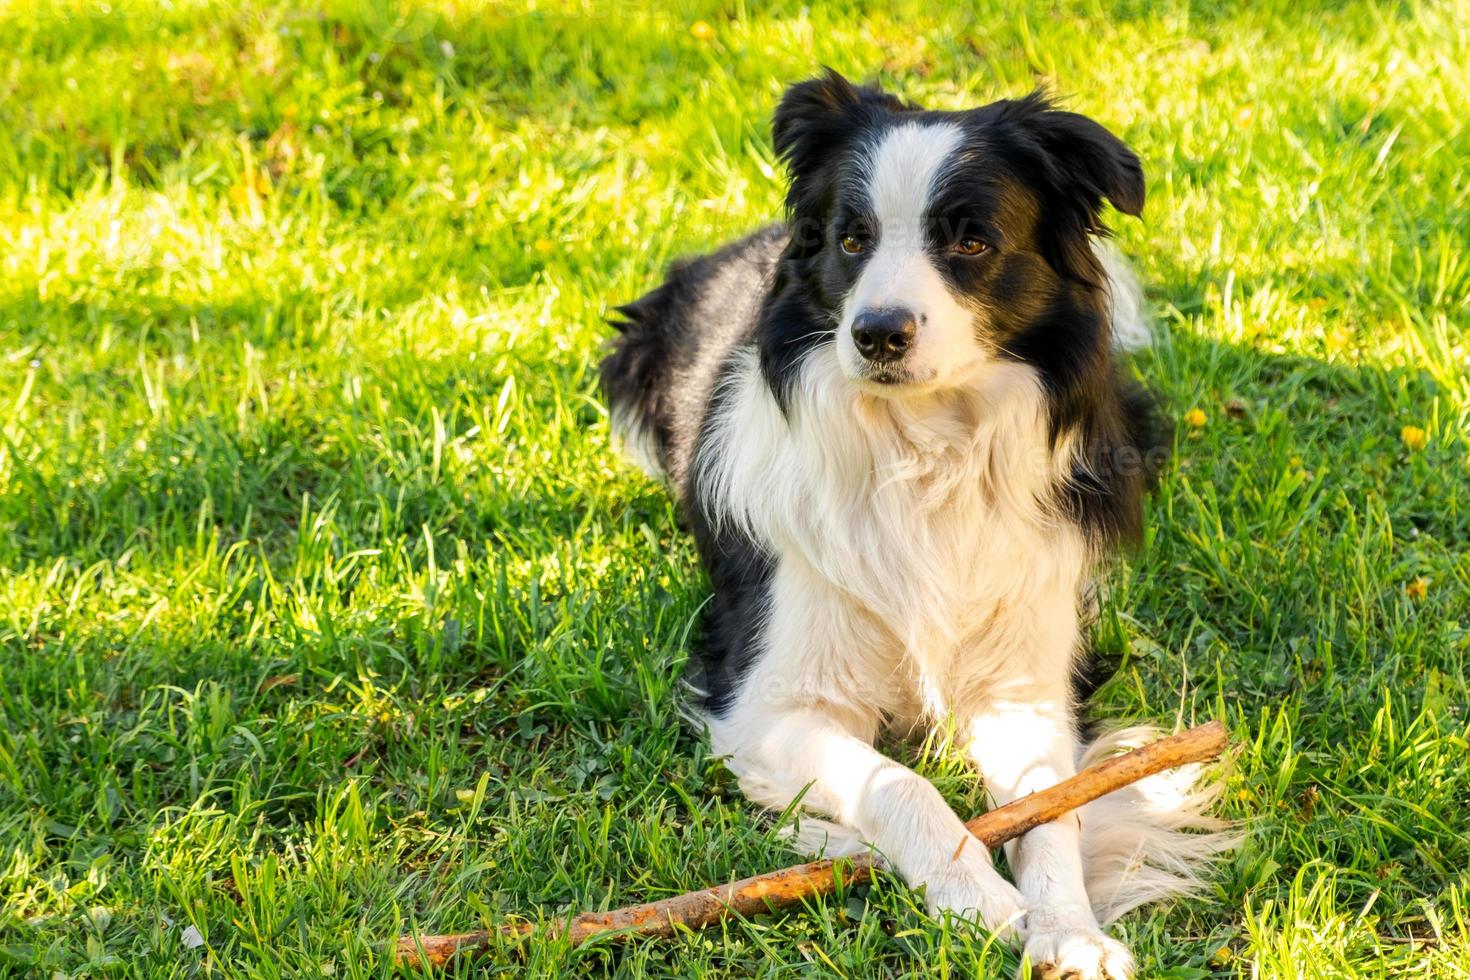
633 379
1151 840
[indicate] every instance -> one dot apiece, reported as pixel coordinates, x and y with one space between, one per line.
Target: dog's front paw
970 892
1081 953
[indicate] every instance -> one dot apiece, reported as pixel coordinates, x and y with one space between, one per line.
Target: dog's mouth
888 376
894 378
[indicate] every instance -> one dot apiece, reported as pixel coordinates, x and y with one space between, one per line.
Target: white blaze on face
901 174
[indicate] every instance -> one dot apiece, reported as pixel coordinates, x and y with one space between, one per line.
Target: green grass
327 611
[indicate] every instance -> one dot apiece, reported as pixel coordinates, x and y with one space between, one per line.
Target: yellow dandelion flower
702 31
545 246
1413 436
1244 116
1417 589
1195 418
252 185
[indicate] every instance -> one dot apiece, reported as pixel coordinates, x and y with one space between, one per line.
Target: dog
897 426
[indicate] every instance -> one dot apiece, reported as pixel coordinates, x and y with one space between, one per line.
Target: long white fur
1151 840
921 578
636 440
1131 328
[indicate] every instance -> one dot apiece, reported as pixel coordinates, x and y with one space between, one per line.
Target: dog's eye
971 246
851 244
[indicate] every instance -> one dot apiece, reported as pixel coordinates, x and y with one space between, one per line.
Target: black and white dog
897 428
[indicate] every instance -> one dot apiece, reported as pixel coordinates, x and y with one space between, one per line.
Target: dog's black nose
884 336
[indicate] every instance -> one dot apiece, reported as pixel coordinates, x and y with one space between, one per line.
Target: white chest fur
924 522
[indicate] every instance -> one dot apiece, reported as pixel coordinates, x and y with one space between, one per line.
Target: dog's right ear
809 119
816 120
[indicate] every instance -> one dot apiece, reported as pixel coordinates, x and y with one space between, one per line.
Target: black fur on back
662 368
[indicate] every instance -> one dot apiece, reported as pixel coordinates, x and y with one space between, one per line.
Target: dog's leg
802 725
789 751
1021 744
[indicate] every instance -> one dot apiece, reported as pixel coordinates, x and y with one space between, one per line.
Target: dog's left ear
1090 160
1074 164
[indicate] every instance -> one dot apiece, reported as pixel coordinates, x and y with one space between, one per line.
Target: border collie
898 430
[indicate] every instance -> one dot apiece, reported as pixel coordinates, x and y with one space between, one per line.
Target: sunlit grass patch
327 610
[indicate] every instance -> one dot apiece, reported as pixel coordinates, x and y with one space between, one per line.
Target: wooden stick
791 886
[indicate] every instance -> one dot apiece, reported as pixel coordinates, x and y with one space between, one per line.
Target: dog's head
927 244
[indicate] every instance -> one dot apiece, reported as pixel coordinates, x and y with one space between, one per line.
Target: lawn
327 610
